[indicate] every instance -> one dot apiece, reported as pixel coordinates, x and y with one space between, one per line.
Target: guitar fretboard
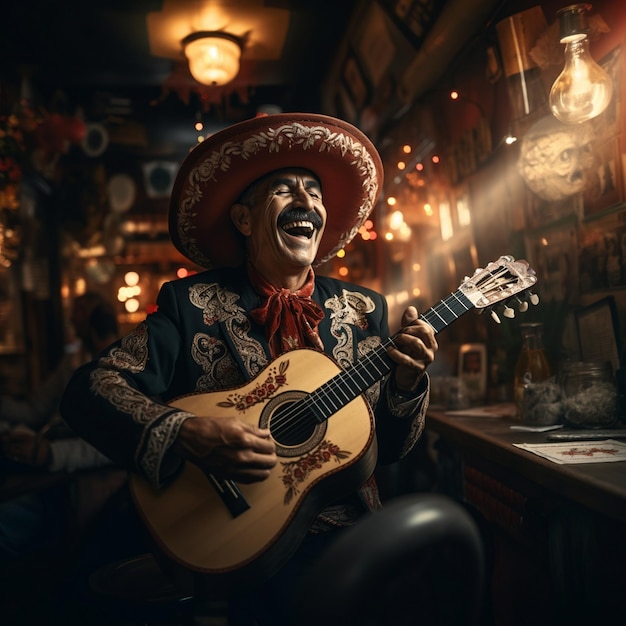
344 387
447 310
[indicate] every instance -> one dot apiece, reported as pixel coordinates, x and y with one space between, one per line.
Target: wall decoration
413 17
598 332
602 252
604 187
376 47
472 369
608 123
556 159
355 82
553 255
159 178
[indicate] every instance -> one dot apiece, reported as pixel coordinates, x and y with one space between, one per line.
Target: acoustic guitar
246 532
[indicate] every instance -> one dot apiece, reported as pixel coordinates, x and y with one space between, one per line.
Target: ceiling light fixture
583 89
213 56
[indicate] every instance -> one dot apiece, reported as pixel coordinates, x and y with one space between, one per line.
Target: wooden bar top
599 486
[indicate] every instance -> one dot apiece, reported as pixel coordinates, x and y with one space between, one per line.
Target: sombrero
217 171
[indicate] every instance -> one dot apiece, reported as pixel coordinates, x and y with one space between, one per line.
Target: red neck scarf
290 318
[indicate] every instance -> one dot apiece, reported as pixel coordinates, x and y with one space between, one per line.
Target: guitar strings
293 422
290 422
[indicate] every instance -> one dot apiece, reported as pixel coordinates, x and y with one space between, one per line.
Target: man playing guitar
284 457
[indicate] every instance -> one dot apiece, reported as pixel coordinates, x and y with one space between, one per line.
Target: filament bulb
583 89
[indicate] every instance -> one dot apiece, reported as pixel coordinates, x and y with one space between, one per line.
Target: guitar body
324 434
317 463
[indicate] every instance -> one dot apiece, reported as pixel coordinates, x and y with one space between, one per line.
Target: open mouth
301 228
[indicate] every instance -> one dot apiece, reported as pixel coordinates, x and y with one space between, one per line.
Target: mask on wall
556 160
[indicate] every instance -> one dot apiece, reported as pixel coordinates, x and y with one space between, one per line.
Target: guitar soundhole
294 431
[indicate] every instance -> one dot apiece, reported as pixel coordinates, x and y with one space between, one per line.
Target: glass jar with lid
589 394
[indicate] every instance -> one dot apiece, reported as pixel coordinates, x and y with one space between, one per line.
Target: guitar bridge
231 495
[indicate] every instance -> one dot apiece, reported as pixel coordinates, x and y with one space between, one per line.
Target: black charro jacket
202 339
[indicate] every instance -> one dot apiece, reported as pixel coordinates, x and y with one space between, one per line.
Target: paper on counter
606 451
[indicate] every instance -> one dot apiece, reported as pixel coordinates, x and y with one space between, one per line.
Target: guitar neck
345 386
447 310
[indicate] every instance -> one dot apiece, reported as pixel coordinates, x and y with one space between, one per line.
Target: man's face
284 220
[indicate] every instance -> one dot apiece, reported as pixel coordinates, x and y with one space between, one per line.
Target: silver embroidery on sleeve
132 355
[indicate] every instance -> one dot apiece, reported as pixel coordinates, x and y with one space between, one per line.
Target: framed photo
473 369
602 252
609 122
598 332
376 47
356 84
604 187
553 255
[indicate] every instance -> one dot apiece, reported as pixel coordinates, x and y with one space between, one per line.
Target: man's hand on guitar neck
415 348
227 447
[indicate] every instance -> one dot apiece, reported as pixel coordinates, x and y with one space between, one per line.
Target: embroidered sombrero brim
217 171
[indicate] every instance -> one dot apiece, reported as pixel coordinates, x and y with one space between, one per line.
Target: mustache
297 215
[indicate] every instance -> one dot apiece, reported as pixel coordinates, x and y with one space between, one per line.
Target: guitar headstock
499 282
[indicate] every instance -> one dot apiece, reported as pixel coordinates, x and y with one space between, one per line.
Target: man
262 202
37 437
30 419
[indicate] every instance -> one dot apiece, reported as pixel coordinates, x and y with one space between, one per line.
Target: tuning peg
508 312
495 317
533 297
522 305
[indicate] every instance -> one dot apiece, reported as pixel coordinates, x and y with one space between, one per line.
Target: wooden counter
555 535
599 486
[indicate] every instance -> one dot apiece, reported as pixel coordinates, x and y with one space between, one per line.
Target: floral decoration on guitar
262 391
296 472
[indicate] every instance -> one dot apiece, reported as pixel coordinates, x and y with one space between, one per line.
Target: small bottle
532 365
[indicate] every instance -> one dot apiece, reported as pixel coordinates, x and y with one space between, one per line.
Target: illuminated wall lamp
213 56
583 89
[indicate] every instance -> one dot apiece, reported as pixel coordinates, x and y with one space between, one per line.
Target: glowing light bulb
583 89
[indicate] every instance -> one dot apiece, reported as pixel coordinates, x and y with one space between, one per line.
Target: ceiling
99 56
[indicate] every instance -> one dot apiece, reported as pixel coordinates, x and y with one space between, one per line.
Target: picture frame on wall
604 188
553 254
355 82
598 332
472 369
609 122
602 252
